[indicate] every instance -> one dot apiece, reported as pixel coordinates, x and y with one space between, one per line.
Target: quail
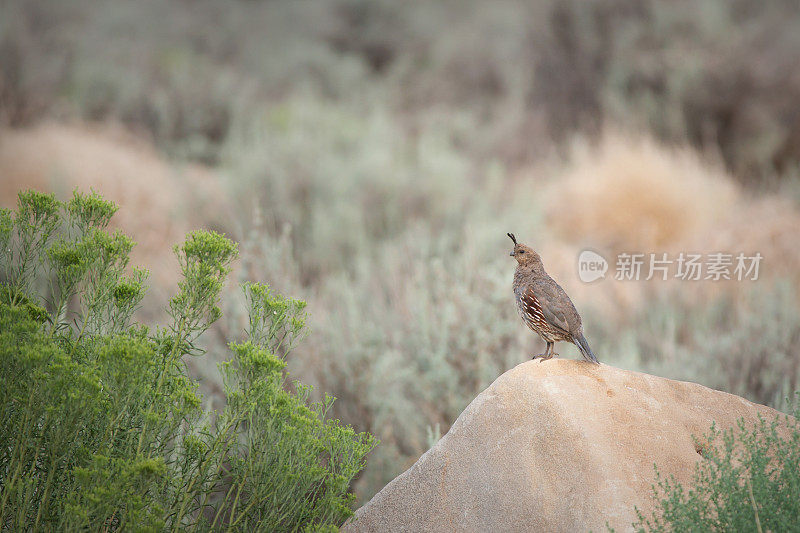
544 306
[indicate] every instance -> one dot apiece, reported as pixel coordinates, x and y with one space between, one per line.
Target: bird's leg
553 350
544 355
548 352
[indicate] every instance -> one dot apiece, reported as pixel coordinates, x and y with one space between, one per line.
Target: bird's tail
583 346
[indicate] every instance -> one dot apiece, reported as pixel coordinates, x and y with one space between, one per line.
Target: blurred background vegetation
370 156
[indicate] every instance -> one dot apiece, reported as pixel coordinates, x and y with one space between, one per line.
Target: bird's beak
512 253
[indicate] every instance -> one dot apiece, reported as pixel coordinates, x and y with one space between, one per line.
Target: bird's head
525 255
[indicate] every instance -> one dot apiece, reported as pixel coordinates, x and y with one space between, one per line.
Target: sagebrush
747 480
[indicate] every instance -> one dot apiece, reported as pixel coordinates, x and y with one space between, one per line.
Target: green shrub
748 480
102 429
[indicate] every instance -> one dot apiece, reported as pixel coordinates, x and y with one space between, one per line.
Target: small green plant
748 480
101 427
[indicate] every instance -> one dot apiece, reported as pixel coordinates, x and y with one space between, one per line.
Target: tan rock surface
559 445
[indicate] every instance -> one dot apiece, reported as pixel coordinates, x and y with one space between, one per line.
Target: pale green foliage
747 480
276 322
495 74
259 405
26 236
413 338
89 211
64 248
414 315
101 428
205 260
747 347
319 466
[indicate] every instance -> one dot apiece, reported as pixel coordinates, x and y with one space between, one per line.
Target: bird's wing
546 297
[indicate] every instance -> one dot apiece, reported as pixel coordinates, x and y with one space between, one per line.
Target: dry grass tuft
632 194
626 194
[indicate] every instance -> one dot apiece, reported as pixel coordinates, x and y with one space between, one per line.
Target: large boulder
559 445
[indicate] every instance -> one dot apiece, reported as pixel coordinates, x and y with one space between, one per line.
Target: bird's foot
543 356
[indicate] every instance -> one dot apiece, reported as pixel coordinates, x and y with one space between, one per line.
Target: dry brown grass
632 194
159 202
625 193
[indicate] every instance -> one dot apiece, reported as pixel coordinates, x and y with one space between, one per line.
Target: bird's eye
522 251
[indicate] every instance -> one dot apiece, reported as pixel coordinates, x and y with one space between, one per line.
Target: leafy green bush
102 429
748 480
